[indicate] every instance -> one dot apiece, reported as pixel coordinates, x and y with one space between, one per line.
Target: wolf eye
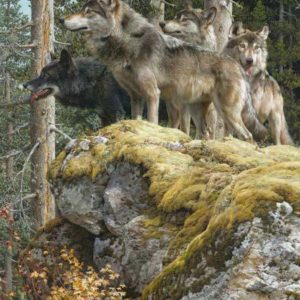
257 47
242 45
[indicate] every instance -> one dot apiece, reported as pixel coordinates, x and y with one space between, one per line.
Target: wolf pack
139 62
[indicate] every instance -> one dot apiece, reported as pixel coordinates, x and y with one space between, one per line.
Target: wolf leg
276 126
152 108
212 121
185 119
137 106
235 123
173 114
149 89
229 105
198 112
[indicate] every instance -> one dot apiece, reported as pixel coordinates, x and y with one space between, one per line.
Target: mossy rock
219 184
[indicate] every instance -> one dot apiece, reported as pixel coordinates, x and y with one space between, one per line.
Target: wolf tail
285 137
250 118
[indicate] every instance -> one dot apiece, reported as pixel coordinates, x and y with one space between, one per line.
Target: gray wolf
150 64
250 50
81 82
193 26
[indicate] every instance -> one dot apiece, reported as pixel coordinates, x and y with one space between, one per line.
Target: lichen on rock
182 219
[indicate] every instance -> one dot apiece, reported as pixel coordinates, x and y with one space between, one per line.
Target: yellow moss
56 165
157 227
152 222
253 193
282 153
236 153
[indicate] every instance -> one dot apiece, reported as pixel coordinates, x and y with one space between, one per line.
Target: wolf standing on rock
250 49
146 63
81 82
192 26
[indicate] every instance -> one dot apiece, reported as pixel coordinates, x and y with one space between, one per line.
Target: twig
168 3
52 127
15 103
22 175
10 154
27 197
61 43
29 24
26 46
18 128
22 55
237 4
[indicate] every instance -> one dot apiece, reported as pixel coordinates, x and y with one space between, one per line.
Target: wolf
81 82
193 26
249 48
150 64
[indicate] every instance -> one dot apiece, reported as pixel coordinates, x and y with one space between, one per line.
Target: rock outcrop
182 219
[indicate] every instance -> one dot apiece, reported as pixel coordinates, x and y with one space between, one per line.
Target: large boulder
182 219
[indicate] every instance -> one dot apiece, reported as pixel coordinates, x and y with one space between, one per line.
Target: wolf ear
236 29
264 32
209 15
67 61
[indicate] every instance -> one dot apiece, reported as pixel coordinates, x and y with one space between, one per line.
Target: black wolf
81 82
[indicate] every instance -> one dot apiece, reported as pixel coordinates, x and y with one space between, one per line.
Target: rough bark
158 7
223 20
42 115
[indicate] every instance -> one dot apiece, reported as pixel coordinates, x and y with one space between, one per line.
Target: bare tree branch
18 29
26 198
22 174
61 43
236 3
18 128
168 3
27 46
10 154
15 103
52 127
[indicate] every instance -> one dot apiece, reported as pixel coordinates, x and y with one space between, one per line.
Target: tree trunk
158 7
223 20
42 115
9 177
222 24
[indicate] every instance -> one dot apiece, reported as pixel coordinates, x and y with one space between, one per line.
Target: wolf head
248 47
190 22
95 15
52 77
